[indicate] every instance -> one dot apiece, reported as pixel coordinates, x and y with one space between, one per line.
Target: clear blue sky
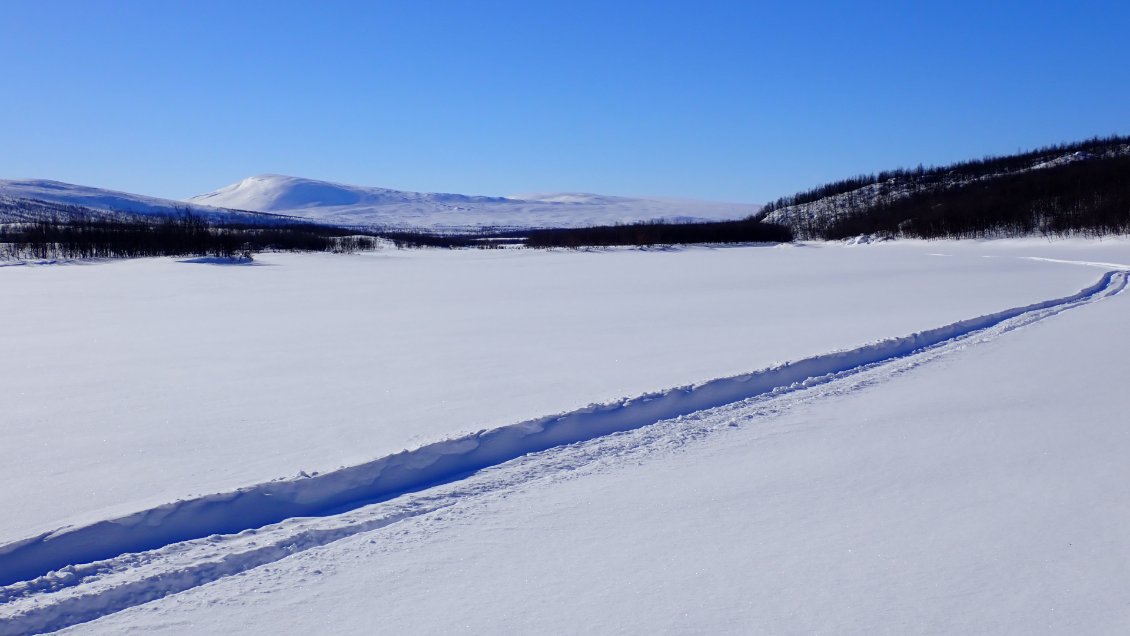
740 101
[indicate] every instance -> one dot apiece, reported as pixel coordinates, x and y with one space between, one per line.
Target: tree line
90 236
660 233
33 229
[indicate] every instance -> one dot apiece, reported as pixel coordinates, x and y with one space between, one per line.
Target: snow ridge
84 590
444 461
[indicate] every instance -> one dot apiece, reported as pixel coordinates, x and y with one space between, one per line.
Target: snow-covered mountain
15 191
273 197
364 205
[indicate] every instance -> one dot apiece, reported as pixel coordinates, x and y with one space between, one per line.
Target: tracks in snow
79 574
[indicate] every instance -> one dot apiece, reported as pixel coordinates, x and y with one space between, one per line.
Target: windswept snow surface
184 379
363 205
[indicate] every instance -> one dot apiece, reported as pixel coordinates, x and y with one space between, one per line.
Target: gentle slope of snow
278 193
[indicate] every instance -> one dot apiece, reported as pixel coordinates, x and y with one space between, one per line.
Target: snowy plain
198 378
983 493
143 382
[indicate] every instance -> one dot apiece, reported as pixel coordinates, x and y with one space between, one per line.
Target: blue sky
741 101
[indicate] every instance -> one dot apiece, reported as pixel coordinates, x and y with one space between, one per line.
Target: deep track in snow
78 574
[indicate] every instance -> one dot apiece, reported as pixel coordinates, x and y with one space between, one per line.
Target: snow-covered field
971 486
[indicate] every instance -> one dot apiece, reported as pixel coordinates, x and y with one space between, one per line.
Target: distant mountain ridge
278 198
1077 188
329 202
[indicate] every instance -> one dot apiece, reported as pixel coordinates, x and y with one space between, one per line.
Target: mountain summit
276 193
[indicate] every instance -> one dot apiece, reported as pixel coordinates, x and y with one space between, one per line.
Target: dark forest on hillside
922 178
1070 189
1089 198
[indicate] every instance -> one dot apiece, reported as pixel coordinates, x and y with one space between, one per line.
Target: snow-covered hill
14 191
271 197
364 205
809 213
